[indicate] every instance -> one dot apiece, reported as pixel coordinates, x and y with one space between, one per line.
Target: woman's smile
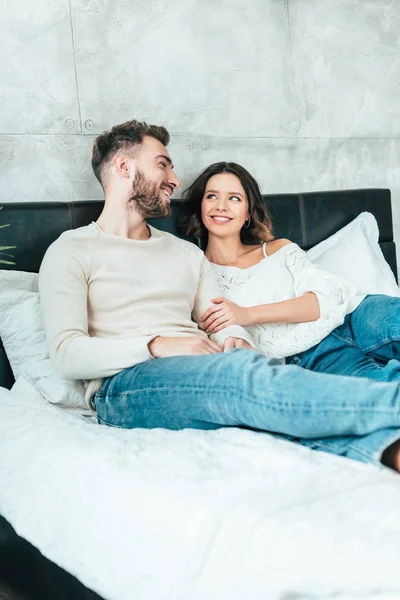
220 220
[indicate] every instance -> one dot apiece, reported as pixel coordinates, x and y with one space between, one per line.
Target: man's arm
64 298
208 288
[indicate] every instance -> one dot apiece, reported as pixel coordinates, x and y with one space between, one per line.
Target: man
122 303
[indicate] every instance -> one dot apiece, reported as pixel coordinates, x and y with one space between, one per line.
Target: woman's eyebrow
231 193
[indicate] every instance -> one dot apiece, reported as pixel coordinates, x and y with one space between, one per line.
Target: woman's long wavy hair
191 224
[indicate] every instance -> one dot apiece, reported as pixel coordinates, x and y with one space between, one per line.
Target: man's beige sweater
105 297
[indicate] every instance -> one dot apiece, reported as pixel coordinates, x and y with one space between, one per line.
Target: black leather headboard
304 218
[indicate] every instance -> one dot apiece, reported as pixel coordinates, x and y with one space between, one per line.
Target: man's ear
123 166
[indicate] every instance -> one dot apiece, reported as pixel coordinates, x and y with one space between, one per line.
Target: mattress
230 514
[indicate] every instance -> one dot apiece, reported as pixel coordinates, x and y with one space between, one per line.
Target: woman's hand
224 313
231 343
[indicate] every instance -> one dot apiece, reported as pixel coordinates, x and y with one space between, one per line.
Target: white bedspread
194 515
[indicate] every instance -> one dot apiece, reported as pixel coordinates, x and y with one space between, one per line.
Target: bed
92 512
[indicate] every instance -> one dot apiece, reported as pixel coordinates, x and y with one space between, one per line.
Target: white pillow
23 336
354 253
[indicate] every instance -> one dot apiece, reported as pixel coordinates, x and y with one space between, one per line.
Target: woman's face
224 207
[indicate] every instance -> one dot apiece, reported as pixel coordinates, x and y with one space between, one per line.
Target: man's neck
118 218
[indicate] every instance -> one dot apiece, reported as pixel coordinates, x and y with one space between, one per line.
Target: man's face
154 180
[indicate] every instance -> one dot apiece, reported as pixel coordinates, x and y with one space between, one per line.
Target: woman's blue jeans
355 417
366 345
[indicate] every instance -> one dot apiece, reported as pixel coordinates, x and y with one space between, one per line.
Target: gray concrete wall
304 93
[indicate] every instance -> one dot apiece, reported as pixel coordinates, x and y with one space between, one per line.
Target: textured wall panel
58 167
300 165
293 89
346 59
200 67
37 73
46 167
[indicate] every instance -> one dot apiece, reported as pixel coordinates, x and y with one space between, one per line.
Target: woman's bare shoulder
276 245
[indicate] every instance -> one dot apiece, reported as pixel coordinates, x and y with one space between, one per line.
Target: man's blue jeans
366 345
355 417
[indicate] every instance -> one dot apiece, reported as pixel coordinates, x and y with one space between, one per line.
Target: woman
293 309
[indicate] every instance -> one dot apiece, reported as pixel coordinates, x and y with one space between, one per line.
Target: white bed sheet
195 515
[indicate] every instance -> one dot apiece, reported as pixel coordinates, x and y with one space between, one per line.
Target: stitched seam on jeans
321 446
165 389
380 344
104 422
360 452
346 447
344 338
226 393
324 409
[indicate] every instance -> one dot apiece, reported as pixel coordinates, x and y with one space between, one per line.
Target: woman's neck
224 251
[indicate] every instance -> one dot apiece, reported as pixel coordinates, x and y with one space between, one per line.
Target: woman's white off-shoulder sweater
286 274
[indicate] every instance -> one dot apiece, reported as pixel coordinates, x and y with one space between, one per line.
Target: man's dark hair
123 138
260 226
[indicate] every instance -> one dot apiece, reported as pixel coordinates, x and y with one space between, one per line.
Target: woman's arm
296 310
318 295
304 308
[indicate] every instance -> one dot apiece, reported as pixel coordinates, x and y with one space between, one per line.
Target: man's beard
146 198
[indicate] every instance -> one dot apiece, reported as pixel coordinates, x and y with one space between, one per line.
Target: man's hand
161 347
232 342
224 313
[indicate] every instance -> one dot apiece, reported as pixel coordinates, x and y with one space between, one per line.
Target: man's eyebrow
167 158
231 193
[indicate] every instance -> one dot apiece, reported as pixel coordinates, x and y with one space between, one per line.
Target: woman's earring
247 223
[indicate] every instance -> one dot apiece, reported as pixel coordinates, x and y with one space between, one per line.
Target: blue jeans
366 345
243 388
